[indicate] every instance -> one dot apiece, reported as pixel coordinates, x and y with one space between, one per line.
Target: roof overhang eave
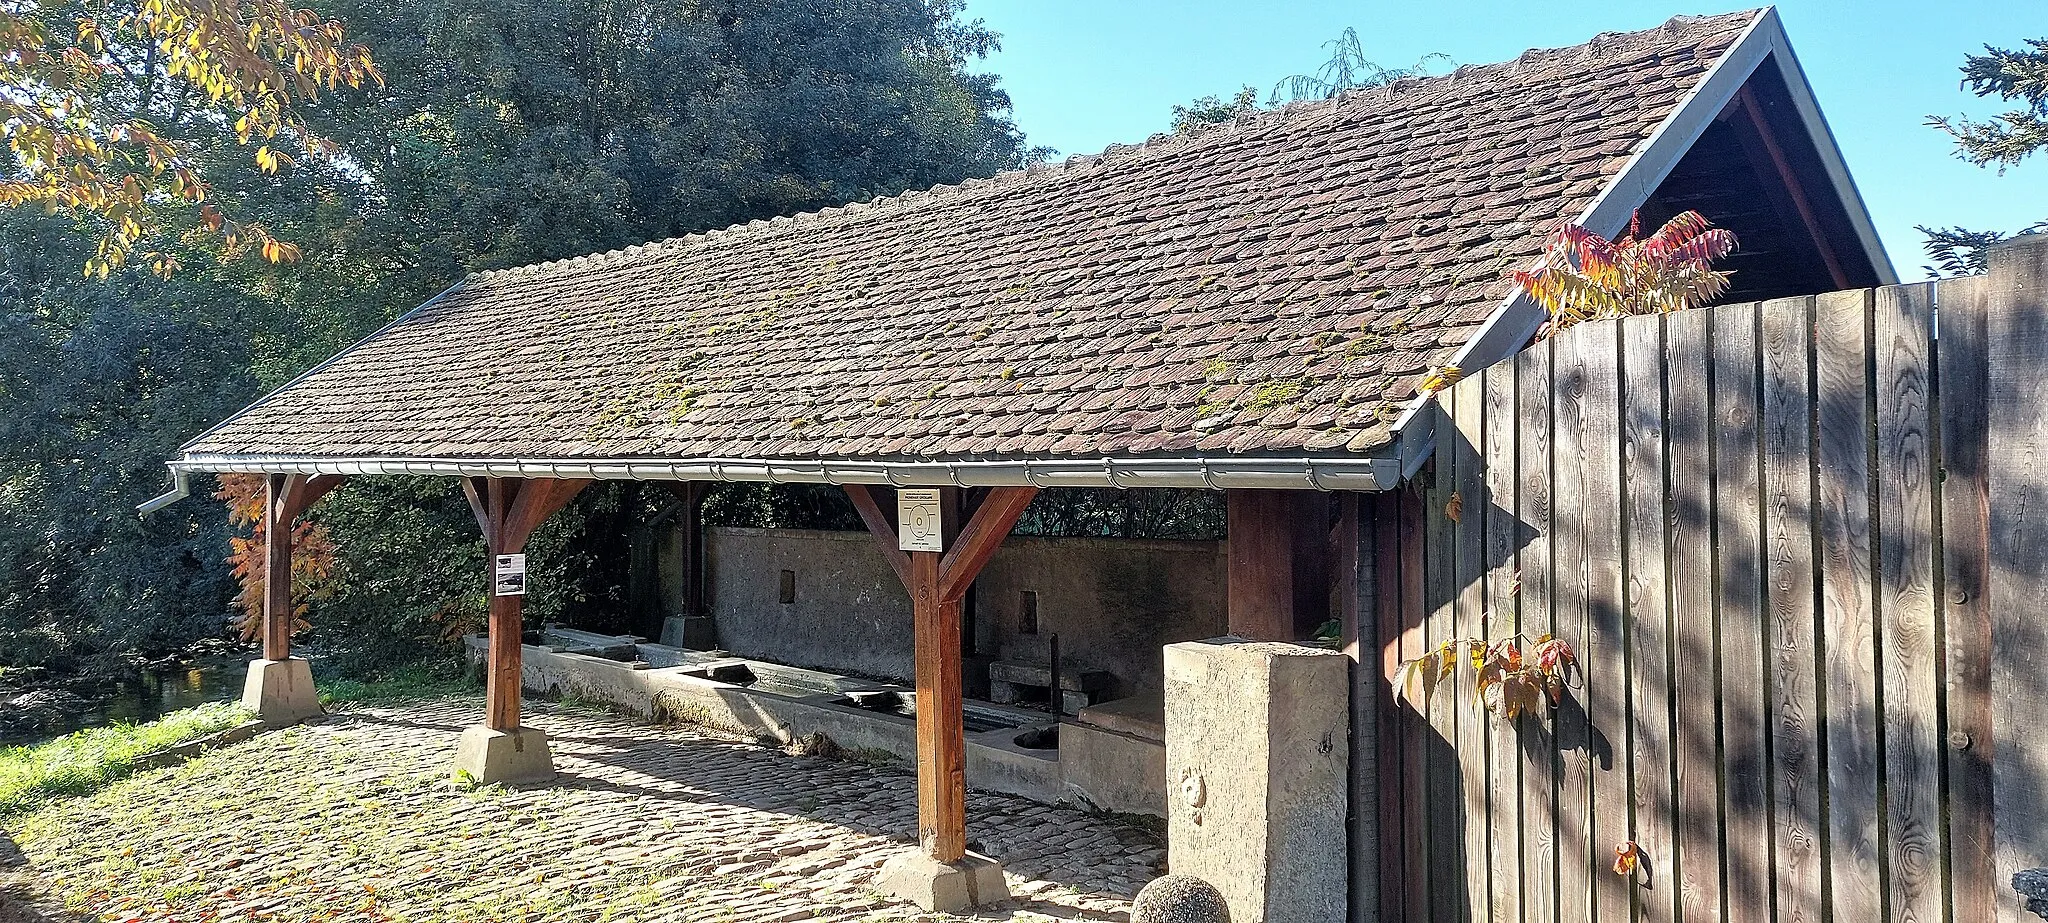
1337 472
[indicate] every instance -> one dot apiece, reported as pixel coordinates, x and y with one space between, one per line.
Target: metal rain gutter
1301 473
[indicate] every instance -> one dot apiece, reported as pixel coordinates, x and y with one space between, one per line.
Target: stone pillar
1257 758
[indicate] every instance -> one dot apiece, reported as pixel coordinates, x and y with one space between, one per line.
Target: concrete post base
943 887
281 691
504 756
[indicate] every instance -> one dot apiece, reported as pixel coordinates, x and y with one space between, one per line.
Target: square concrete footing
943 887
489 755
281 691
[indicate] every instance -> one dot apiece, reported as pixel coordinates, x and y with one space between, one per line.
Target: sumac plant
1584 276
1508 679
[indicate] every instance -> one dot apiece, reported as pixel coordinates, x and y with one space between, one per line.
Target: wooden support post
285 498
1279 570
937 582
508 510
278 688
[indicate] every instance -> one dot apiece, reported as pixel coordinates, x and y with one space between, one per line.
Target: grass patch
409 682
86 761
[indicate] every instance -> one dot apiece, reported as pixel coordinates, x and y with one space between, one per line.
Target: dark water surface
27 718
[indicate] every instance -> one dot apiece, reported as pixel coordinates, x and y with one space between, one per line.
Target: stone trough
1118 765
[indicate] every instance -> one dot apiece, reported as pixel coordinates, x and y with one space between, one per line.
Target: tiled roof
1276 285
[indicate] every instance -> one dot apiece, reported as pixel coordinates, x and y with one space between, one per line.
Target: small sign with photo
510 576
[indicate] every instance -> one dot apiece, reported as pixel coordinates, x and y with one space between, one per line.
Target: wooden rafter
1759 139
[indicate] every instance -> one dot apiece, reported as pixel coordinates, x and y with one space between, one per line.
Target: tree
1348 68
508 131
1212 109
2013 75
83 98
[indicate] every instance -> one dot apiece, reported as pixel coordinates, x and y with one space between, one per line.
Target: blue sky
1088 73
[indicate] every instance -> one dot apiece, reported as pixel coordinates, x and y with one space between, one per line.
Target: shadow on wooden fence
1796 545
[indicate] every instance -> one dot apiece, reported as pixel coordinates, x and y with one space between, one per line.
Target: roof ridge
1116 152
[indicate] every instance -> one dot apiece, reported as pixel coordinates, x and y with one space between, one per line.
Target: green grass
86 761
410 682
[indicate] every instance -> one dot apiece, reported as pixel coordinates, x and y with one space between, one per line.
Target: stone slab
486 755
943 887
1139 716
281 692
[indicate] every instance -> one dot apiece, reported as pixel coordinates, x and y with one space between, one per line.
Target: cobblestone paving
355 819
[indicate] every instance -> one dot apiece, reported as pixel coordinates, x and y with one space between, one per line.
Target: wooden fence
1792 543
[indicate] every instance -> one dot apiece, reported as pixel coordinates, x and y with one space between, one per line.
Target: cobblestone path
354 819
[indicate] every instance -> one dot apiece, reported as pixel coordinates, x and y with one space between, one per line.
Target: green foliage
509 131
2013 75
1347 69
87 761
1212 109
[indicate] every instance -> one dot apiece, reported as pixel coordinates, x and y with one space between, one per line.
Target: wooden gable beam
1754 133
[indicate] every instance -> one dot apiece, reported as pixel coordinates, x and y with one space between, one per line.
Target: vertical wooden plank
1690 433
1912 693
1789 611
1575 761
1394 791
1604 647
1738 556
1964 382
1503 540
1469 410
1649 615
1352 560
1842 409
2017 331
1539 770
1444 814
1415 551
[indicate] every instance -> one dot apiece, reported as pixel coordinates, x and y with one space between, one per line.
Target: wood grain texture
1394 787
1963 367
980 537
1909 676
1416 731
1443 777
1690 432
1351 541
1569 563
277 564
1469 547
941 738
1261 553
1503 599
1843 420
1604 647
1538 747
1738 552
1791 638
2017 333
1651 766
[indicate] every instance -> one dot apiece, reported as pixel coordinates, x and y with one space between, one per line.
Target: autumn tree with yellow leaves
84 86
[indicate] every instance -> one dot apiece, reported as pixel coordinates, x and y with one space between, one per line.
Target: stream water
35 716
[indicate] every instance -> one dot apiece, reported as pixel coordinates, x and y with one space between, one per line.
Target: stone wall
1113 602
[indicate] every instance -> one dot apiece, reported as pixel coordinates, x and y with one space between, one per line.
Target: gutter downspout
181 487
